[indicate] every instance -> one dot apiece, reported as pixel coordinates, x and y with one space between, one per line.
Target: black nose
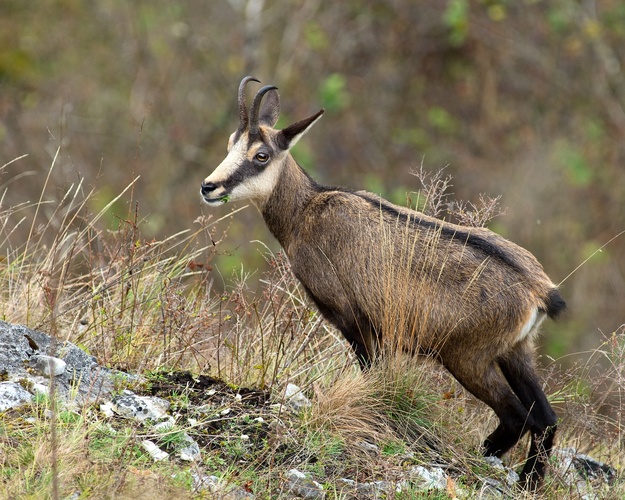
208 187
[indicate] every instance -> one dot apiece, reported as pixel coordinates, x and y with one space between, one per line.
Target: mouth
219 199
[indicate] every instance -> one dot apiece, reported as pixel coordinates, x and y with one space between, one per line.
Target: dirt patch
204 389
222 413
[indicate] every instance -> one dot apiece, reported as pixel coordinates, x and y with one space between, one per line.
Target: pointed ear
270 110
288 137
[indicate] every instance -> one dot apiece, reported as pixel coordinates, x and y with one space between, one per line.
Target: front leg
355 327
365 342
362 354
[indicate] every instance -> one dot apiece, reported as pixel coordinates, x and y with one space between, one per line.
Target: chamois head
256 151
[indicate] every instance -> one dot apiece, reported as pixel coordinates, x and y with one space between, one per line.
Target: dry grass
146 305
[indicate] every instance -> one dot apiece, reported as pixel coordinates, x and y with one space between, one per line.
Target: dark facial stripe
244 171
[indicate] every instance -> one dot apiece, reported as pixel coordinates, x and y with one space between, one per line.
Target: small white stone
107 409
165 424
364 445
191 452
245 437
238 398
40 388
429 478
302 486
224 412
295 398
204 482
154 451
50 366
296 473
494 462
140 408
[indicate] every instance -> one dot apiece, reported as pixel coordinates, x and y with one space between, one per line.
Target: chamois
463 295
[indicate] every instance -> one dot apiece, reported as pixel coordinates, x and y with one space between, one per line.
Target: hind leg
490 386
518 369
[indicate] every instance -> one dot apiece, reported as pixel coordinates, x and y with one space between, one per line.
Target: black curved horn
243 118
255 109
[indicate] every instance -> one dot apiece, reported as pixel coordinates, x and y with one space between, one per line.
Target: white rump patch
530 327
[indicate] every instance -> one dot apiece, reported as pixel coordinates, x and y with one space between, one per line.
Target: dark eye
262 157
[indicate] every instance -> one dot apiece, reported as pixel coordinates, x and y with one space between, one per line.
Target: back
406 272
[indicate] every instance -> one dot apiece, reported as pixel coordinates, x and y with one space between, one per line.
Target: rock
511 475
594 470
302 486
352 490
107 409
582 472
140 408
165 425
49 366
190 452
38 388
368 447
32 356
491 489
428 479
217 488
205 482
13 394
154 451
295 399
490 492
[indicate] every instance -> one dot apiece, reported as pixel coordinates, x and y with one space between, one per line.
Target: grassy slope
151 307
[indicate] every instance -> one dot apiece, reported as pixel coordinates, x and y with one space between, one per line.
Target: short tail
555 304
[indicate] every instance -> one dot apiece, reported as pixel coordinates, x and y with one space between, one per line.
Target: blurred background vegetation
519 98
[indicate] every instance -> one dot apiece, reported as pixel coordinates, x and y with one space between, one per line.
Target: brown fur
392 278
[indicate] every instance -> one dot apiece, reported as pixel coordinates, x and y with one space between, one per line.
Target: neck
282 211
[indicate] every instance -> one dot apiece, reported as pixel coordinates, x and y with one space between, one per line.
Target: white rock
40 388
511 478
494 462
295 398
190 452
49 366
129 405
154 451
433 478
204 482
166 424
364 445
300 485
12 394
580 471
107 409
